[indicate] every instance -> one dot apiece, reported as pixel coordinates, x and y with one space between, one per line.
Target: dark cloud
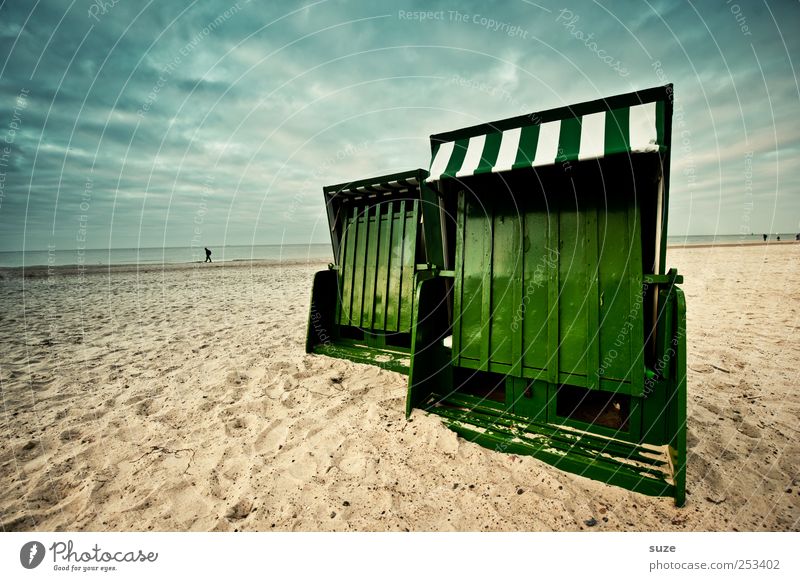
140 117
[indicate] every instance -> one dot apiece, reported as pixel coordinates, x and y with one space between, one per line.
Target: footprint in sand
711 407
235 426
236 378
49 492
303 468
272 437
351 457
71 434
291 399
748 429
240 510
709 476
144 408
279 365
30 450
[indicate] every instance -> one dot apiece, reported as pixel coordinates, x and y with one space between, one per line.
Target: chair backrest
378 240
376 265
551 289
560 215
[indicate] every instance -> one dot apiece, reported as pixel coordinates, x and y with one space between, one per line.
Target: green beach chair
385 232
565 338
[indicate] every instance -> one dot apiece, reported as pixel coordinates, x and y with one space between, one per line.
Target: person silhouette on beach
779 238
208 255
765 237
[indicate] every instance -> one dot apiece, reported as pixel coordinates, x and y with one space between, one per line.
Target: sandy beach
180 398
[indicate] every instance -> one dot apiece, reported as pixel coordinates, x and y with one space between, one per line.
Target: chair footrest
641 468
398 361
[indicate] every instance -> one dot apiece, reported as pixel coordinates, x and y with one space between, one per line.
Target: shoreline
35 269
43 270
733 244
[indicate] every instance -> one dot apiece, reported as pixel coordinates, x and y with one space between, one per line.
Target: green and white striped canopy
630 123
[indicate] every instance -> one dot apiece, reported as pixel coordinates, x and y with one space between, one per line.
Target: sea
271 252
167 255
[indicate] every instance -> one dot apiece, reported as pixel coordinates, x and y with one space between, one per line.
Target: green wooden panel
619 311
578 316
539 259
381 294
341 258
348 266
373 233
473 277
486 287
377 266
359 268
406 291
573 312
395 268
592 296
635 281
515 331
554 246
505 260
459 276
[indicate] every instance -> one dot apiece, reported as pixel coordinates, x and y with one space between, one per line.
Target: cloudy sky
130 123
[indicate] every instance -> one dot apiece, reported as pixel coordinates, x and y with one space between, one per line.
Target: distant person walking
765 237
779 238
208 255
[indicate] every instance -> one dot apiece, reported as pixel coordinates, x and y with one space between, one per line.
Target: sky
130 124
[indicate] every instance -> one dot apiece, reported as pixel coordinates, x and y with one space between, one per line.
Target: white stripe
473 156
509 143
547 146
593 136
439 163
643 128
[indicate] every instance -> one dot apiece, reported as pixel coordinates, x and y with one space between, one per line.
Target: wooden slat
635 277
517 278
341 258
349 273
486 305
396 269
620 305
384 257
373 220
592 299
358 278
553 269
459 276
534 301
473 279
572 289
504 257
409 261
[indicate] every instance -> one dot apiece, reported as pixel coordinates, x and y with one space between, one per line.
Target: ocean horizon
274 252
166 255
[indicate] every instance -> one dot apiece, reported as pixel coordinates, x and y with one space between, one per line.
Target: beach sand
181 399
